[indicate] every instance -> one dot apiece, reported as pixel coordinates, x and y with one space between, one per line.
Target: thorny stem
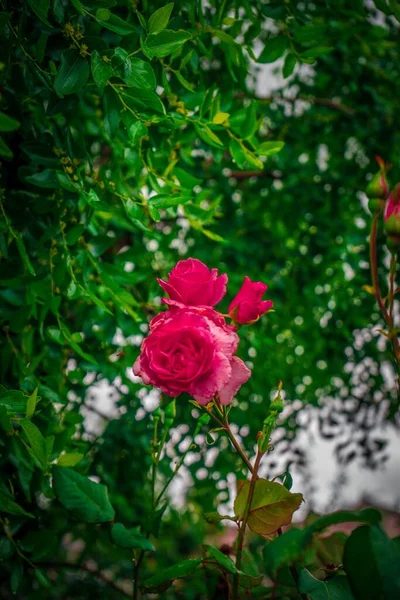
388 316
242 528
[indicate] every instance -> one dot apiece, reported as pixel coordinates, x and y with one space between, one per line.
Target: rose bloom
248 306
192 283
191 350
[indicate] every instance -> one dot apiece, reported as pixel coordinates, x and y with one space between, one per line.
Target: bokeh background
79 176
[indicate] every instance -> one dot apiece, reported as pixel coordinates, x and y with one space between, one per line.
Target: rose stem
242 528
375 283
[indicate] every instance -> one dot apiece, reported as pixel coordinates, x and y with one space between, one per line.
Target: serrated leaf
88 501
272 506
160 18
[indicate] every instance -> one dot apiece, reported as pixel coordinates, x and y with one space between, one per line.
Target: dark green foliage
132 134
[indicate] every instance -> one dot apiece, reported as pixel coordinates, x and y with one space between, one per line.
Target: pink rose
191 350
192 283
248 306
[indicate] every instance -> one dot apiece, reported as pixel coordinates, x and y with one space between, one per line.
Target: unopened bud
378 186
391 216
170 410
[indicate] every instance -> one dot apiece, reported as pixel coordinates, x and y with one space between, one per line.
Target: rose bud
248 306
192 283
378 188
391 217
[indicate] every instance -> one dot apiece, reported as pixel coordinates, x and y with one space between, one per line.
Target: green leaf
269 148
70 459
24 255
112 116
45 179
337 588
142 100
36 442
166 577
316 52
17 575
5 150
31 404
272 505
114 23
13 401
8 505
222 559
73 73
165 201
371 561
309 33
289 64
88 501
243 155
166 42
5 422
360 565
8 123
214 517
288 548
133 71
136 131
274 48
387 558
208 135
130 538
101 70
160 18
41 9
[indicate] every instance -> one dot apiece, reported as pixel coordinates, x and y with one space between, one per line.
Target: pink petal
240 374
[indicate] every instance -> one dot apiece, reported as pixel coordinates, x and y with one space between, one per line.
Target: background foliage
129 139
